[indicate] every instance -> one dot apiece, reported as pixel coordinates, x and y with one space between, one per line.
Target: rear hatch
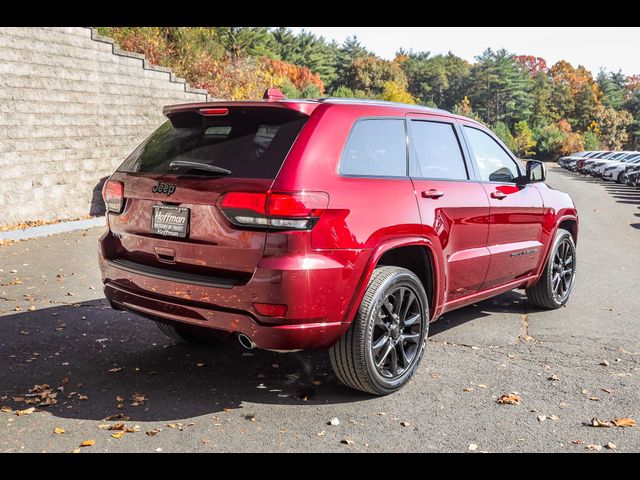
170 221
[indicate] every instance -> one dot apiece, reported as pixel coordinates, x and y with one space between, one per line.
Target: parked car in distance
329 223
591 163
615 170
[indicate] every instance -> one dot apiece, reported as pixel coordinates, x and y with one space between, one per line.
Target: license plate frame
170 221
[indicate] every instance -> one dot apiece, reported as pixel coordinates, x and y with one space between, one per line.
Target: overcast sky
610 47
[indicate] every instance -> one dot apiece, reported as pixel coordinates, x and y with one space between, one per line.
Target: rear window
250 142
376 147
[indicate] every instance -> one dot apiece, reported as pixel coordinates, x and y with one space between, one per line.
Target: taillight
113 195
277 210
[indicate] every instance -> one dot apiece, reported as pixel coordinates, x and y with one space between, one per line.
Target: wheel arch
402 252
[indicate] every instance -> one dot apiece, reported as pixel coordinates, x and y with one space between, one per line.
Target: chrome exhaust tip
246 342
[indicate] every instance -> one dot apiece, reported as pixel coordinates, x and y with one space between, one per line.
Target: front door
454 208
515 227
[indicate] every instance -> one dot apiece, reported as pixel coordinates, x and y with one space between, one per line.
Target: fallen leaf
611 446
604 363
480 385
153 432
510 399
119 399
321 434
542 418
88 443
115 370
467 389
606 390
83 397
200 364
334 421
405 424
26 411
595 422
117 426
554 417
553 378
472 447
6 409
592 446
624 422
117 416
58 431
594 399
117 435
77 450
347 441
578 442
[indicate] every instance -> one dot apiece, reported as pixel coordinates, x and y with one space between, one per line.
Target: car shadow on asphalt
101 362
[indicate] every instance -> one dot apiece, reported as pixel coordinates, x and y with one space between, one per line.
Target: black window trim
406 146
413 163
501 144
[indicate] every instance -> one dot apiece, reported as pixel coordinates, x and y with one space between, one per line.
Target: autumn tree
613 126
370 74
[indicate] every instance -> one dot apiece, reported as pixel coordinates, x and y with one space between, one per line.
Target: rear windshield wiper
198 166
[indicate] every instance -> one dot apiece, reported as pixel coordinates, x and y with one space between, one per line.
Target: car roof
308 105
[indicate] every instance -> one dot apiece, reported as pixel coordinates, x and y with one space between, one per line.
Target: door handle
432 193
498 195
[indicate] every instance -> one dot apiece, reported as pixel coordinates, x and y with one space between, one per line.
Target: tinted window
437 151
252 143
376 147
493 162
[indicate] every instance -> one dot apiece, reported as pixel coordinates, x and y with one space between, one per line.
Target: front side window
376 147
494 164
437 151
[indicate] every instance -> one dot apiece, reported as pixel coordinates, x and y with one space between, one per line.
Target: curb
53 229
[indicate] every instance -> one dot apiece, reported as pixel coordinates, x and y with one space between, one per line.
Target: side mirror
536 171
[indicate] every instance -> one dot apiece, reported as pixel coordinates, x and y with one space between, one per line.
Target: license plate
170 221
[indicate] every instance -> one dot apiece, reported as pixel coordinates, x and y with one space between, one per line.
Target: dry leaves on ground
58 431
624 422
88 443
510 399
26 411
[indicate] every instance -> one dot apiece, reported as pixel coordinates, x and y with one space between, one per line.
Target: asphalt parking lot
567 366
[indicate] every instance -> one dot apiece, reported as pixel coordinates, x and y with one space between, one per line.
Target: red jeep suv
329 223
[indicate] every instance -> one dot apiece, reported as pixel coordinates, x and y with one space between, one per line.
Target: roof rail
367 101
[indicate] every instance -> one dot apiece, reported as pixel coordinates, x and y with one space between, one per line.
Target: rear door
170 219
515 230
454 208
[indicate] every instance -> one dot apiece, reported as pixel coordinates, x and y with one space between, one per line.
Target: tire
620 179
354 356
543 294
187 334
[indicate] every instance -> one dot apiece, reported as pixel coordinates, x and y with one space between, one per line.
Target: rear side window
494 163
437 151
376 147
250 142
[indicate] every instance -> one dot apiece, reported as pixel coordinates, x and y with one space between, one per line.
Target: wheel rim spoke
385 355
377 345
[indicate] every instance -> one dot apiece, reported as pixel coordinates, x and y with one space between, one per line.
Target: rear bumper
268 337
317 287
